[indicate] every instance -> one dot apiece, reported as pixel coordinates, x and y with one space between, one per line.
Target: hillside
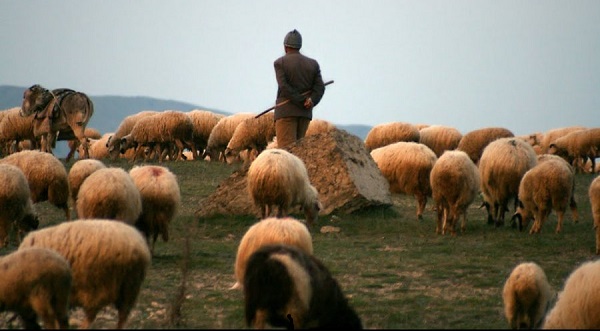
109 111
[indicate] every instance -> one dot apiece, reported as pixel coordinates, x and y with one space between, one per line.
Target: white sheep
16 207
317 125
80 170
594 195
221 134
161 199
287 287
108 259
14 129
475 141
551 135
252 134
74 144
287 230
578 147
440 138
388 133
279 179
407 167
97 149
503 163
161 131
109 193
204 121
46 176
526 295
455 183
36 283
547 186
114 142
578 301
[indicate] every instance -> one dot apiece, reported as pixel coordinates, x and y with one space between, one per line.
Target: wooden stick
287 100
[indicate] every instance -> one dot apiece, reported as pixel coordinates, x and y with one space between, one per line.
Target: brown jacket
295 75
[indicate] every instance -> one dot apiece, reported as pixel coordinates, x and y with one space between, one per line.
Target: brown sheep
440 138
475 141
389 133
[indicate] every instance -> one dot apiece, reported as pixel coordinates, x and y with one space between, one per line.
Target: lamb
109 193
221 134
547 186
36 282
251 134
161 198
475 141
287 287
204 121
161 130
526 295
90 133
16 206
594 195
271 230
578 302
113 144
407 167
108 259
455 183
13 129
389 133
279 179
579 146
440 138
79 171
46 176
501 167
551 135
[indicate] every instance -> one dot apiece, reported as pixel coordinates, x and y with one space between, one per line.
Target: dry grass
395 270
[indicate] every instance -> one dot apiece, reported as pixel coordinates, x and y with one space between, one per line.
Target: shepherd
61 114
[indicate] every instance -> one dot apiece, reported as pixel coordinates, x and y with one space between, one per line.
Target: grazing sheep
279 179
287 287
114 143
287 230
455 183
14 129
440 138
388 133
547 186
161 198
16 206
80 170
577 147
97 149
36 282
551 135
527 295
319 126
221 134
475 141
594 194
535 140
503 163
578 302
160 131
407 167
74 144
108 259
46 176
251 134
204 121
109 193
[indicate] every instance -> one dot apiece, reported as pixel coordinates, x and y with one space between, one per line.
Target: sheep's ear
108 140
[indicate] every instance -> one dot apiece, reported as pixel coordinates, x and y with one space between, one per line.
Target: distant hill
109 111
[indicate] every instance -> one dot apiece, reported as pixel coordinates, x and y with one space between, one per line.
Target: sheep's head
28 223
521 217
126 143
35 99
312 206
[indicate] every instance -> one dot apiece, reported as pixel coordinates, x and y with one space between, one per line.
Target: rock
338 165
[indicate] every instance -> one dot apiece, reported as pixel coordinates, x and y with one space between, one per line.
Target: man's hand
308 104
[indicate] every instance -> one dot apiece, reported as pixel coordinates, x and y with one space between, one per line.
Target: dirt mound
338 165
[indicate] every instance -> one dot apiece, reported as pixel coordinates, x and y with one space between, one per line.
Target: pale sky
529 66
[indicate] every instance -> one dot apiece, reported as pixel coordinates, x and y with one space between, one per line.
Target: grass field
396 272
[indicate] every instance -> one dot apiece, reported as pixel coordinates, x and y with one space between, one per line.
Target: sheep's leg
560 215
441 220
421 202
90 316
573 206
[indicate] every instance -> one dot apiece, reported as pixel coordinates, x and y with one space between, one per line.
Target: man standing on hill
299 81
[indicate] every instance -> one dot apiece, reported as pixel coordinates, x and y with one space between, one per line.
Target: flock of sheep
534 172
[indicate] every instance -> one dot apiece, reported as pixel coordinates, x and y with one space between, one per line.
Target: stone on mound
339 167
